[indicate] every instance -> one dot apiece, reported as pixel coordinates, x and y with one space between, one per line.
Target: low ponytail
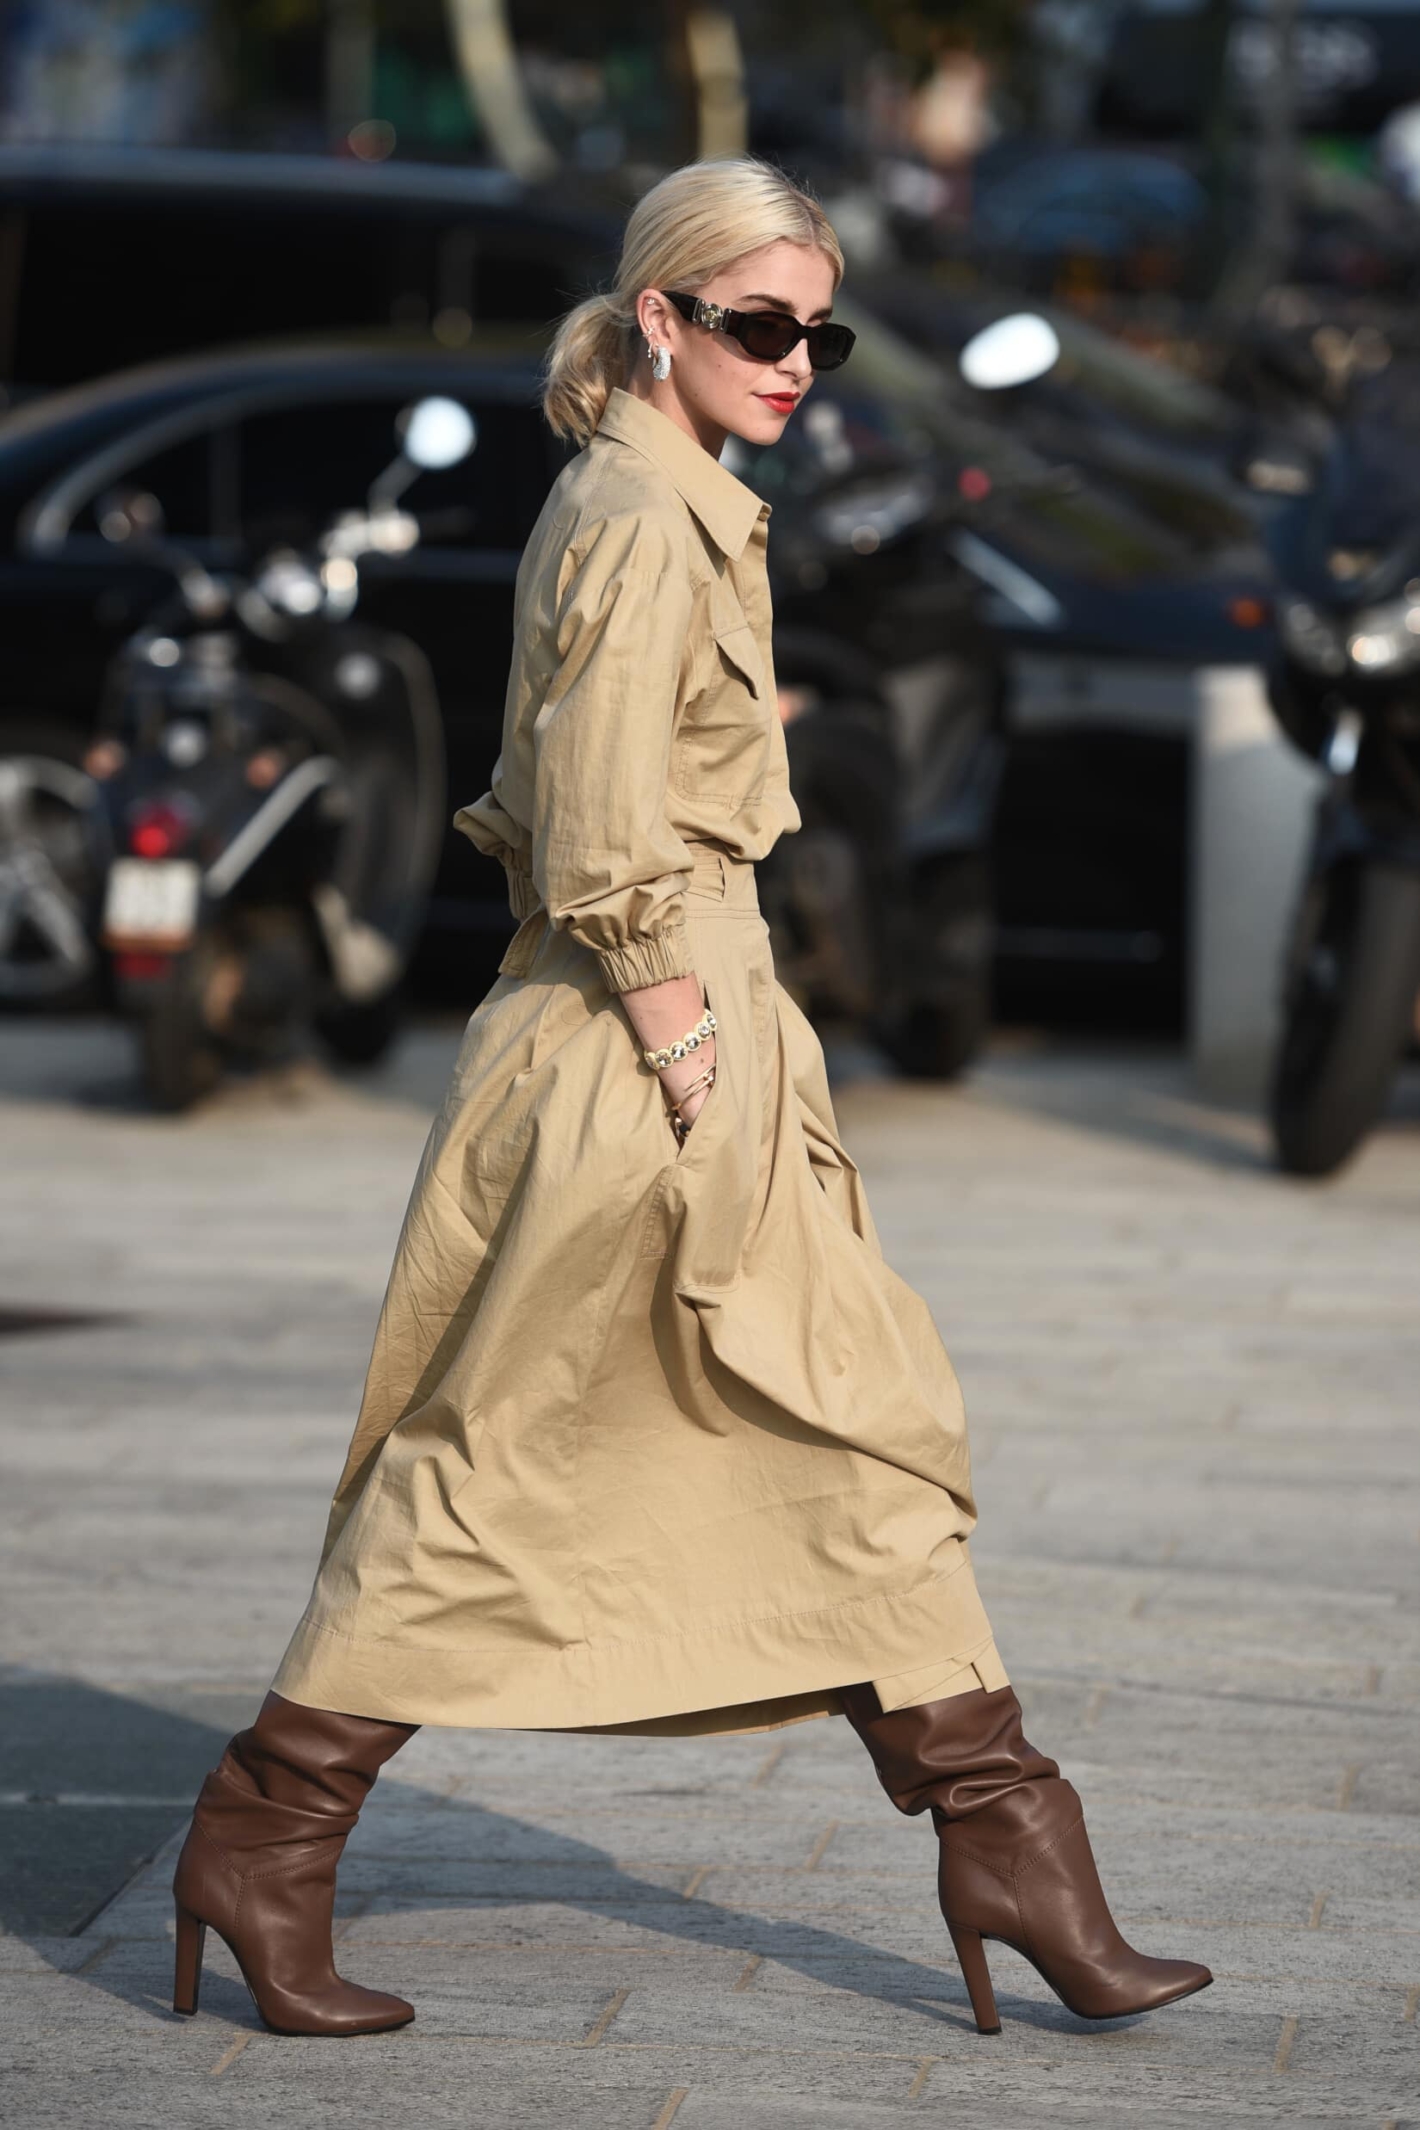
590 354
687 229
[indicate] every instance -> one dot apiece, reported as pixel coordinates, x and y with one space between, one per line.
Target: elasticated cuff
647 961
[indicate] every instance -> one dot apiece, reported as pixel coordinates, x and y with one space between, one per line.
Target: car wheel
52 858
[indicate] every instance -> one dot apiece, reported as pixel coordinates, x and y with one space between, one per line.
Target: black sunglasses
768 335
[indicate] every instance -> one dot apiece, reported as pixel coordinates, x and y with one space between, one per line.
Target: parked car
120 256
241 453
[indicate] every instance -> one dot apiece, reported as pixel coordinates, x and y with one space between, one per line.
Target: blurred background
1097 571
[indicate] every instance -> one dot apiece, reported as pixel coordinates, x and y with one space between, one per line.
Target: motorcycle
889 688
880 907
1346 690
272 783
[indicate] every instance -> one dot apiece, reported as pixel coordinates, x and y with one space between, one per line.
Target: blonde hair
686 229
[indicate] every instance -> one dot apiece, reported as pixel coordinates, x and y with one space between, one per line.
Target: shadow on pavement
91 1785
95 1783
86 1062
1144 1097
1149 1099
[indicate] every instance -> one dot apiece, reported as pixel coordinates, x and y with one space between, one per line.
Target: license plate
151 902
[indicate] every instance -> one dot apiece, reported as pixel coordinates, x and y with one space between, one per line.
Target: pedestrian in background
653 1440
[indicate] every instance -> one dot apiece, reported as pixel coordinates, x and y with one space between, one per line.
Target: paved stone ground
1194 1396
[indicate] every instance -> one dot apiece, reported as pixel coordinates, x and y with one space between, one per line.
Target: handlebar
202 593
383 529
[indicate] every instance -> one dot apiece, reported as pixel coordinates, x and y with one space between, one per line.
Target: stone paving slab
1194 1407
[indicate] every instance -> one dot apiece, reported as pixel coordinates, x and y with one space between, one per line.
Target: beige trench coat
652 1437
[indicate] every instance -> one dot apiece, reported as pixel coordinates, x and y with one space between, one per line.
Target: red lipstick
781 402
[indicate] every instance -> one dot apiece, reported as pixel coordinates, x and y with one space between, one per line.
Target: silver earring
660 362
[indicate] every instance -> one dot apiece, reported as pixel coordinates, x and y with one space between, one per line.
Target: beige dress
653 1438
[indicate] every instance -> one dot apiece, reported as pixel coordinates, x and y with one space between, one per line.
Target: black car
241 453
119 256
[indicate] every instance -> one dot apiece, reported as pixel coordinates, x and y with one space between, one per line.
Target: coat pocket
737 646
722 749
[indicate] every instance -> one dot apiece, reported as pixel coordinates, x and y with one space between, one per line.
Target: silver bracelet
676 1053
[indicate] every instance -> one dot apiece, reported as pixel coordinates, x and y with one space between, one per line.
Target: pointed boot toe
345 2008
1165 1981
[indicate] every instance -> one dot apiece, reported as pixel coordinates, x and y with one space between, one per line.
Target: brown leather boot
259 1861
1016 1862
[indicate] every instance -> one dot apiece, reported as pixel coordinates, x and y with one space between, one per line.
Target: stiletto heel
187 1962
977 1976
1014 1860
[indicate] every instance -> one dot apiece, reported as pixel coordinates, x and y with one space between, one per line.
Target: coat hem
755 1673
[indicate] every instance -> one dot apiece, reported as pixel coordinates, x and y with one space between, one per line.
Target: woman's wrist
660 1013
663 1015
660 1056
676 1080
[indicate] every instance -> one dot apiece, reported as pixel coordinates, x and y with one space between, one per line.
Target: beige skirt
653 1439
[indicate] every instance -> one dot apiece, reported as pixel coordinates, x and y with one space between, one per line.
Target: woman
653 1440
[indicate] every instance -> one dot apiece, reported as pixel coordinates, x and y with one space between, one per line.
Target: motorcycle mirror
130 514
1013 351
437 434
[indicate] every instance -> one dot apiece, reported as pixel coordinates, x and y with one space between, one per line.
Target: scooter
272 779
880 908
1346 690
889 688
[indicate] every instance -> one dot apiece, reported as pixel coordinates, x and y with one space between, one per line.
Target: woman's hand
691 1107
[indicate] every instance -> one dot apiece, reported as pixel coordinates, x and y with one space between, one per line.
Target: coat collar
725 507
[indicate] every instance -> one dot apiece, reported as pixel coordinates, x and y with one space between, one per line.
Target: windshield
1373 474
1136 388
1140 516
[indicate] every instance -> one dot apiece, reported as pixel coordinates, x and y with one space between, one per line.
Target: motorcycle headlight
1385 639
289 584
1313 639
870 516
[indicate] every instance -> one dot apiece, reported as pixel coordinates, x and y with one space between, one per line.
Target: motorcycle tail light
141 968
157 831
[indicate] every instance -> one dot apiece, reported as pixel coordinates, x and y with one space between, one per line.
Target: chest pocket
736 645
722 746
